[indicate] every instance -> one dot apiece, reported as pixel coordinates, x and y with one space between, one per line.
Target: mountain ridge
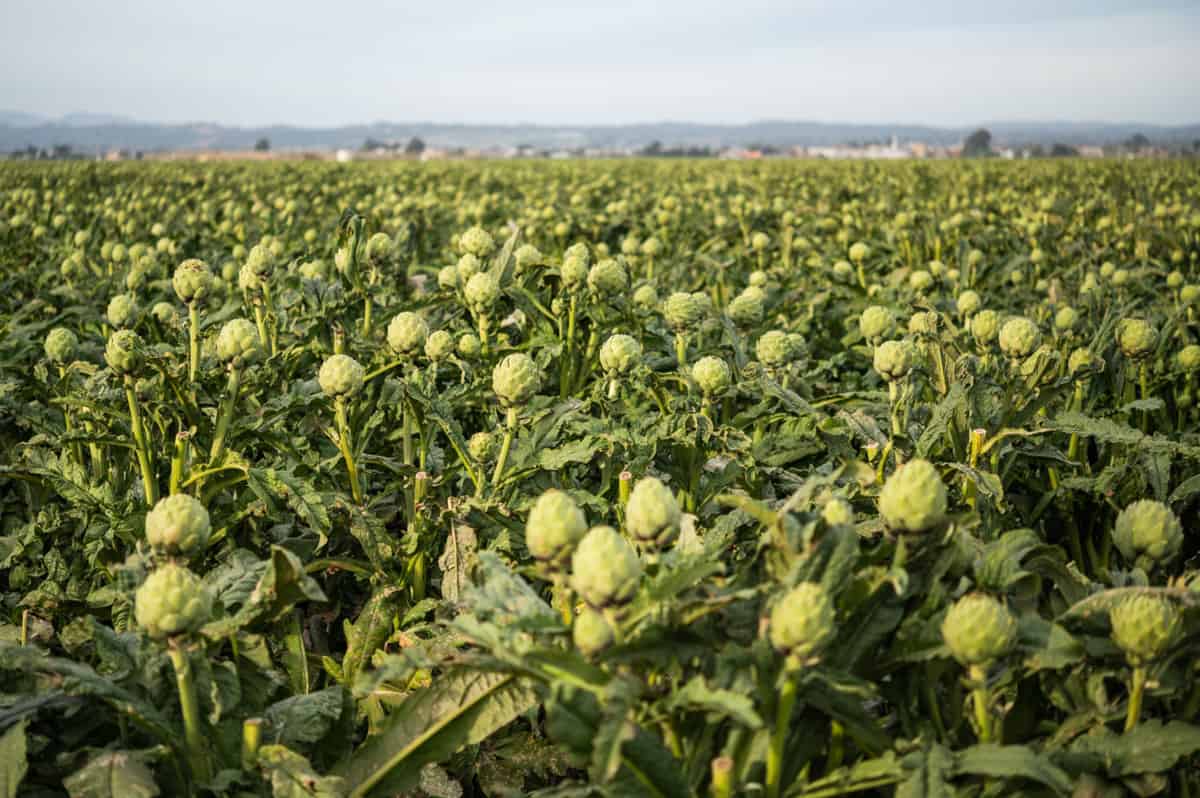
102 132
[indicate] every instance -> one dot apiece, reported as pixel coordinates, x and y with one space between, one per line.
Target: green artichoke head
803 622
1147 533
178 526
407 333
516 380
652 515
1144 627
555 526
914 498
238 343
171 602
341 376
60 345
979 630
605 570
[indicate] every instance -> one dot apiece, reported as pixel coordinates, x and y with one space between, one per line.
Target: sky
938 62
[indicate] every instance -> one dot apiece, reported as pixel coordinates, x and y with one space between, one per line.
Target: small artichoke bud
482 446
477 241
192 281
920 281
591 632
1188 358
859 252
979 630
608 278
448 278
759 242
249 280
923 324
774 349
985 325
803 622
652 514
123 353
1083 363
914 498
468 266
645 297
407 332
556 525
60 345
121 310
746 309
605 570
1019 337
1189 295
439 345
1144 627
178 526
574 273
1147 533
172 601
527 256
164 313
238 343
341 376
837 512
481 292
620 354
893 359
314 270
468 346
968 303
682 311
1066 319
379 248
1136 338
516 380
712 375
876 323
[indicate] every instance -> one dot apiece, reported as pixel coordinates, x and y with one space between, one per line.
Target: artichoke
712 375
555 526
439 345
516 380
985 325
838 512
476 241
605 570
683 311
914 498
178 525
652 514
341 376
620 354
121 310
1144 627
876 323
608 278
123 353
591 632
172 601
1147 533
803 622
774 349
238 342
192 281
979 630
968 303
406 333
1136 338
893 359
1019 337
60 345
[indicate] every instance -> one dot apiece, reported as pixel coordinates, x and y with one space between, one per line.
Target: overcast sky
945 62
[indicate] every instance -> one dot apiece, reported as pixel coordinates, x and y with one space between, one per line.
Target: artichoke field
640 478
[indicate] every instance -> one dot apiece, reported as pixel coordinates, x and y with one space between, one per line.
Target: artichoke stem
1137 686
783 722
193 340
139 442
227 405
179 461
722 777
193 733
251 738
509 428
343 431
981 699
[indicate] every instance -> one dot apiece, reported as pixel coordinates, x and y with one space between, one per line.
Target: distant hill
99 133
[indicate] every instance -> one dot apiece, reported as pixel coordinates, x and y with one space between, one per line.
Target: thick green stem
251 739
681 350
722 777
981 700
343 432
193 340
226 414
179 461
1137 686
783 721
139 442
509 428
193 731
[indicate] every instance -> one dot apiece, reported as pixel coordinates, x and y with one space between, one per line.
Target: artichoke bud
591 632
914 498
178 526
516 380
605 570
555 526
407 332
341 376
1144 627
1147 533
172 601
979 630
712 375
652 515
238 344
123 352
803 622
